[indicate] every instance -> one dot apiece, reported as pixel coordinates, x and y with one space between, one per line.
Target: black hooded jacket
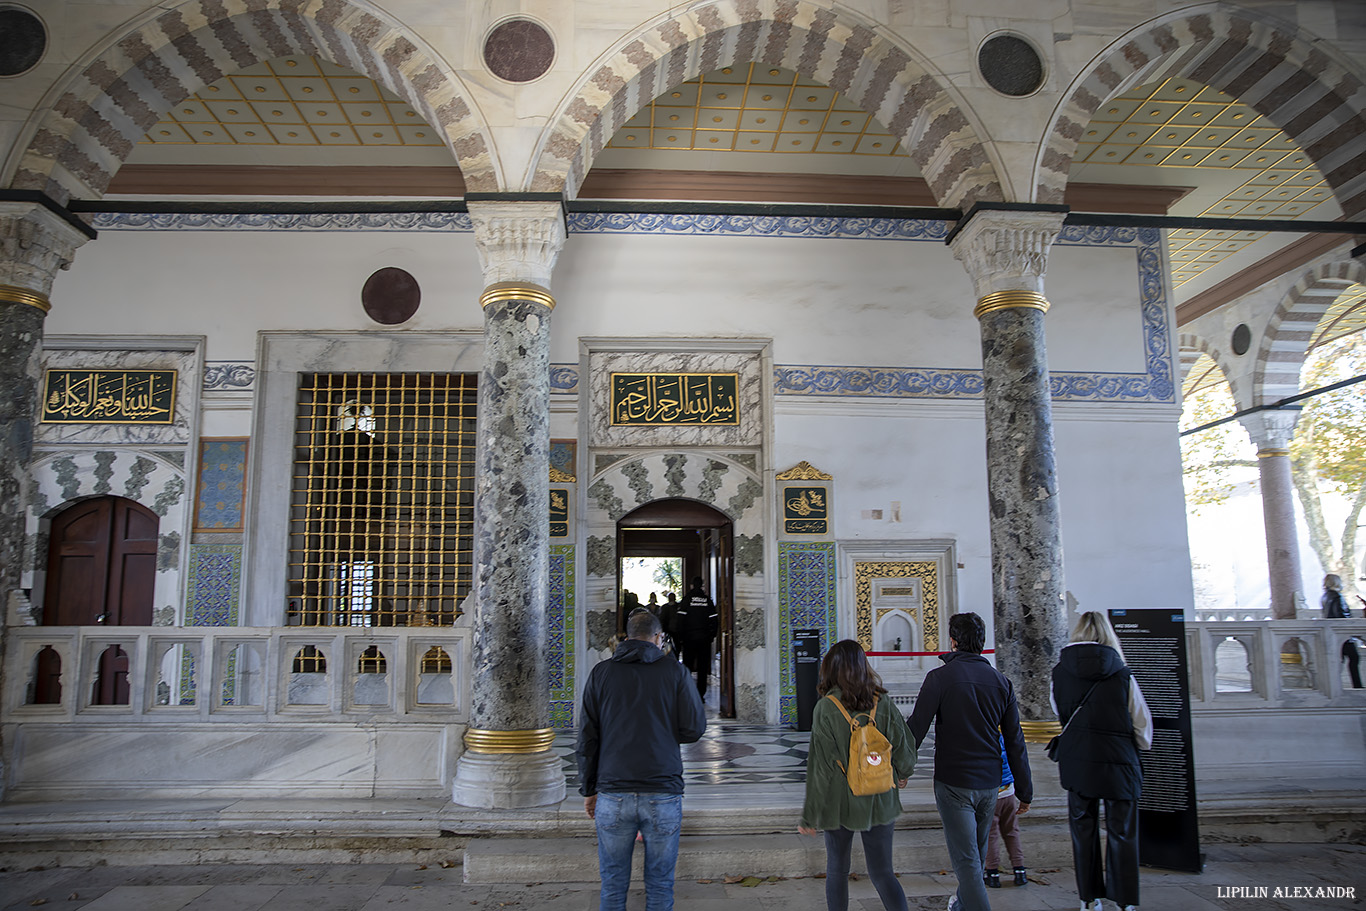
1097 754
637 708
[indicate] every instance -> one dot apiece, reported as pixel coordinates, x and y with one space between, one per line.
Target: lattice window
382 508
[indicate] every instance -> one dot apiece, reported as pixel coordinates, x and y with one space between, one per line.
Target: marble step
575 860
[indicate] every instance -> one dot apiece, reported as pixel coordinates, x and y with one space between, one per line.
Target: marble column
507 762
34 244
1006 255
1271 432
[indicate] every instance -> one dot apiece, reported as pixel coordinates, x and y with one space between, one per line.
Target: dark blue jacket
637 708
969 702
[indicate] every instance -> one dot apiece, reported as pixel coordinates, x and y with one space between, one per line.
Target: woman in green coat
830 804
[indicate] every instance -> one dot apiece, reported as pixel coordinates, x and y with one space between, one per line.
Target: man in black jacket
697 623
972 705
637 708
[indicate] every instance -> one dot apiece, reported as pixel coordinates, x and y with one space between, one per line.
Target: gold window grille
382 506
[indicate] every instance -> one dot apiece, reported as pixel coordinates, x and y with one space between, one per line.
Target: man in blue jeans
973 708
637 708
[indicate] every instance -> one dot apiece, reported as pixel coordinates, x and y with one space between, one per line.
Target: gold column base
1010 300
1040 731
516 291
482 741
11 294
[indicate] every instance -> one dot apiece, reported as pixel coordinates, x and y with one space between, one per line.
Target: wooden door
722 571
101 565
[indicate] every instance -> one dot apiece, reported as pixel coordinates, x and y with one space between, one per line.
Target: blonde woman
1098 759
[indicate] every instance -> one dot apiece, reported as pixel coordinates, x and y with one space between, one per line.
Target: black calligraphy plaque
109 397
1154 643
559 512
675 399
805 510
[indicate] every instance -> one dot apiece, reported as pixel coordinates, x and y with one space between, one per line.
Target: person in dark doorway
972 706
637 709
1106 722
697 622
1335 608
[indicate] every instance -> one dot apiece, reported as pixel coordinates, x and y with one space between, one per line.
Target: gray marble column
1271 432
507 763
34 245
1006 255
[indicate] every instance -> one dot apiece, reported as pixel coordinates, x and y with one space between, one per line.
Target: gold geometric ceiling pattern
756 108
1183 124
294 101
1175 124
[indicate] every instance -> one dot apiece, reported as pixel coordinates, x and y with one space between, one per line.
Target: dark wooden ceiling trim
602 183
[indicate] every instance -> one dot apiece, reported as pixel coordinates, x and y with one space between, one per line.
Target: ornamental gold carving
803 471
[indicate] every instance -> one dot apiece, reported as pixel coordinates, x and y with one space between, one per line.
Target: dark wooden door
101 568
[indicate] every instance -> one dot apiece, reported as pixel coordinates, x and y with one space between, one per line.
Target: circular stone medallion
1010 65
518 50
390 296
23 39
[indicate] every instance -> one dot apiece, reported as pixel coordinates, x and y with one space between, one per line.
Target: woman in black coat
1098 759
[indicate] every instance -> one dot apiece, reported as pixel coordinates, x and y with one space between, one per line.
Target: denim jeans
966 814
877 850
658 818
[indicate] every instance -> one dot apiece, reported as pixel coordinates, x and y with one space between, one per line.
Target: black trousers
1117 878
1352 656
697 657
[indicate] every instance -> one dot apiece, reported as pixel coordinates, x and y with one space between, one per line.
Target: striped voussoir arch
92 128
1286 340
1312 96
829 45
1192 347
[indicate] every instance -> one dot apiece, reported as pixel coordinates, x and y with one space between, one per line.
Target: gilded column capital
34 244
1271 430
518 241
1007 251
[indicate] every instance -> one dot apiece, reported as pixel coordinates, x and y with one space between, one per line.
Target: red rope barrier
988 651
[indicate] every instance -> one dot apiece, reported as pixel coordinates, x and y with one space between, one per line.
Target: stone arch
1316 97
1285 343
1191 346
813 37
57 480
84 137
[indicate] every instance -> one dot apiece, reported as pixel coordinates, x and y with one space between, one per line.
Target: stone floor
1233 879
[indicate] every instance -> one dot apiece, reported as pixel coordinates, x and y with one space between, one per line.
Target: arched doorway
702 538
101 565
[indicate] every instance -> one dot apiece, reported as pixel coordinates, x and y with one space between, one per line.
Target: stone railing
294 674
1290 663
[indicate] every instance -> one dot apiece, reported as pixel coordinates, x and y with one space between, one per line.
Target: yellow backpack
870 754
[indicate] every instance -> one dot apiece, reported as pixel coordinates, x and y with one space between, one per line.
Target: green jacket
829 802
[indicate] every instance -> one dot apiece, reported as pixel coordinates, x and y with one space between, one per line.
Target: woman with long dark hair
1106 723
831 805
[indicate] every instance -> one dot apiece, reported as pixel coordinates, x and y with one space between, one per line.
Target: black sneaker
1020 878
992 878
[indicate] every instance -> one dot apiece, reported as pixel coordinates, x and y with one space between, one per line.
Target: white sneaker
1131 908
1093 905
954 904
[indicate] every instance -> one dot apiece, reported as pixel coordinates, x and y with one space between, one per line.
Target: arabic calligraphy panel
675 399
109 396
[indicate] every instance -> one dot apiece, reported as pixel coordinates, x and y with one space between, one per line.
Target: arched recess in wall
1311 94
1290 332
818 40
83 137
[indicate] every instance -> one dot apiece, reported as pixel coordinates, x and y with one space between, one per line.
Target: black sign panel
1154 641
109 397
559 512
805 511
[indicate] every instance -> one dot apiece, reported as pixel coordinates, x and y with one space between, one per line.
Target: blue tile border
560 633
214 585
